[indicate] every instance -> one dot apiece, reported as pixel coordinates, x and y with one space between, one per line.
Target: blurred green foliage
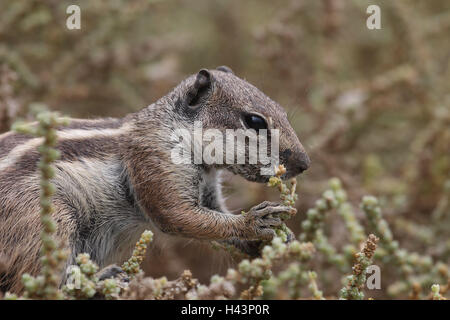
371 107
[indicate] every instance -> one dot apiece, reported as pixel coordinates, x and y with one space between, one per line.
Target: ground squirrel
115 177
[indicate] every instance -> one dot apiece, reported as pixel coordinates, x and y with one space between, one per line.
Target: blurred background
371 107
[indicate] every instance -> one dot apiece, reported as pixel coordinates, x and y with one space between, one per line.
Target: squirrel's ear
201 87
225 69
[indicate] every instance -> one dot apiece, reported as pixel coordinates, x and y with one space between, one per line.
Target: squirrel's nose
297 162
300 162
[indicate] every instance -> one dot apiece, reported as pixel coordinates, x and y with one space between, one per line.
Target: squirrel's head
223 104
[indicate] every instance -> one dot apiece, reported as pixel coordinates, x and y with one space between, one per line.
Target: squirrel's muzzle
295 162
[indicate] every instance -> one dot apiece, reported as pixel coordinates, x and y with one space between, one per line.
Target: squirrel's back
89 180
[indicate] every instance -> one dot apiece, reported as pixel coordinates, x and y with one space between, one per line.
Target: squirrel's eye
253 121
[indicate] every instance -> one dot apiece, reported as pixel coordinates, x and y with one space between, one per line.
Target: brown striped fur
115 178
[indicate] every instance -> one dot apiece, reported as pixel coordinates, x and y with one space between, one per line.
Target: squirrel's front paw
262 218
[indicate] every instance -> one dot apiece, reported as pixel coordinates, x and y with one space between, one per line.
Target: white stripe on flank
72 134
